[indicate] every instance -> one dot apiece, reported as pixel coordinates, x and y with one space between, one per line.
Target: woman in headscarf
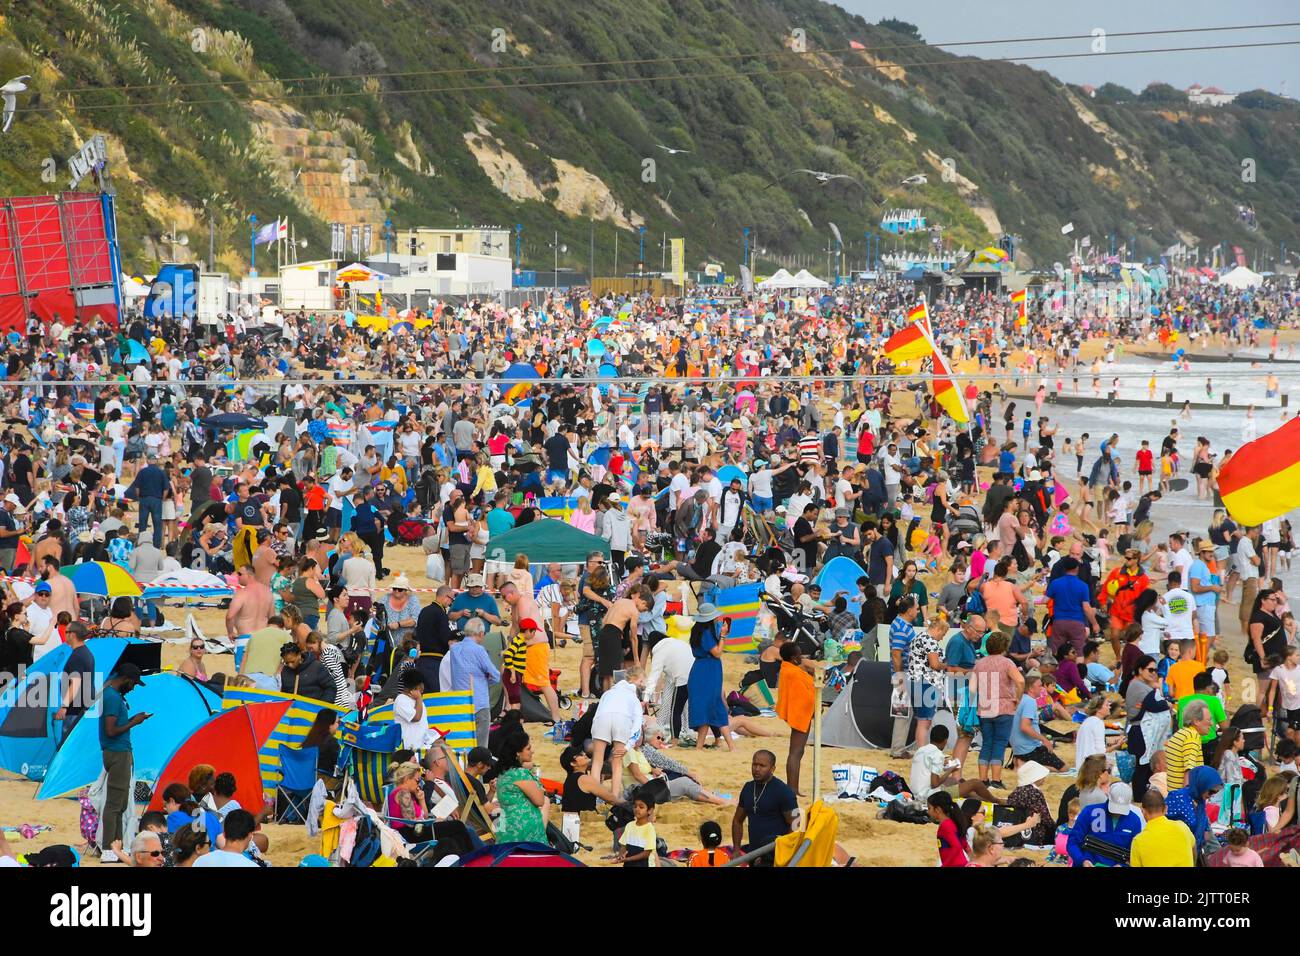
1189 805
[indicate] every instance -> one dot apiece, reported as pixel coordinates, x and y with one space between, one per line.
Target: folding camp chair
297 780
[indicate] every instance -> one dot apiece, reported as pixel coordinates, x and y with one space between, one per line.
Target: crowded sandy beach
342 547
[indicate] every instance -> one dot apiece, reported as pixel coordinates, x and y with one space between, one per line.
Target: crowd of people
708 443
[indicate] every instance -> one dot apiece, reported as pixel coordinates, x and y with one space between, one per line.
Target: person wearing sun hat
403 609
10 530
1205 583
706 708
1028 797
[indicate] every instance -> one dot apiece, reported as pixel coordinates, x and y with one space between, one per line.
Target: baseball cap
128 671
42 587
1120 800
528 624
474 581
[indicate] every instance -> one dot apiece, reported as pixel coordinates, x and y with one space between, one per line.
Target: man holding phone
115 741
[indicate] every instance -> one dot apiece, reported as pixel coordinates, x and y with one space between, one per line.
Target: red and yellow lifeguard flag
1019 299
1262 480
918 312
946 393
907 344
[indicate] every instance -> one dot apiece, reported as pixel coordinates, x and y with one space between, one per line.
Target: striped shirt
900 637
810 449
515 656
1182 753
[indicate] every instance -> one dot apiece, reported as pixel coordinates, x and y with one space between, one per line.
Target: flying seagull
669 149
918 180
821 177
10 93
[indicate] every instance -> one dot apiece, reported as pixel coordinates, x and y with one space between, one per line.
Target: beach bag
854 780
967 701
975 603
760 695
1014 815
558 841
898 811
890 782
367 847
1125 764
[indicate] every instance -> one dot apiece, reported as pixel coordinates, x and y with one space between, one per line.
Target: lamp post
744 259
252 245
519 245
640 257
556 245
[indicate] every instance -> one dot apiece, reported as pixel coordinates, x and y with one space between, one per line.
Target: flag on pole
1086 241
679 262
909 343
946 392
919 312
1067 229
1019 299
282 228
1262 480
267 234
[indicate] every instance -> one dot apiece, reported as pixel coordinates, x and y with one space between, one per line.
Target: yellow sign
679 261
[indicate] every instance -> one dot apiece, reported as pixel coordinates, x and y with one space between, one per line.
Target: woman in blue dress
707 708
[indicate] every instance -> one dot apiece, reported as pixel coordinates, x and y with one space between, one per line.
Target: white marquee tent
1242 278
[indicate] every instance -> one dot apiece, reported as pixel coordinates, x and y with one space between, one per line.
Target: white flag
1086 241
282 231
1067 228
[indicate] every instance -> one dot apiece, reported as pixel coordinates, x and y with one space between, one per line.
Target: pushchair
806 630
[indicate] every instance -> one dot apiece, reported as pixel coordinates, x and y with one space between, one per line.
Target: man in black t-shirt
291 505
557 454
767 803
806 536
79 689
248 510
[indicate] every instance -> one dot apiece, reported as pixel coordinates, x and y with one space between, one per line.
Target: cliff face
555 116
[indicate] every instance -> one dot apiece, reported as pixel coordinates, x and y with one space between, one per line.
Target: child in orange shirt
712 854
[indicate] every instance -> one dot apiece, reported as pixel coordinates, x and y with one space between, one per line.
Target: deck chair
297 780
472 811
367 750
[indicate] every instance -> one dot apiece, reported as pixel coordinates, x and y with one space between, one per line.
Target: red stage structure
58 257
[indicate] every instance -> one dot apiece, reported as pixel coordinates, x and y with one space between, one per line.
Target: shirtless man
250 609
63 593
51 544
265 561
616 632
522 607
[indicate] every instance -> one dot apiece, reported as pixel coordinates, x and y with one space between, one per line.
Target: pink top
995 686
